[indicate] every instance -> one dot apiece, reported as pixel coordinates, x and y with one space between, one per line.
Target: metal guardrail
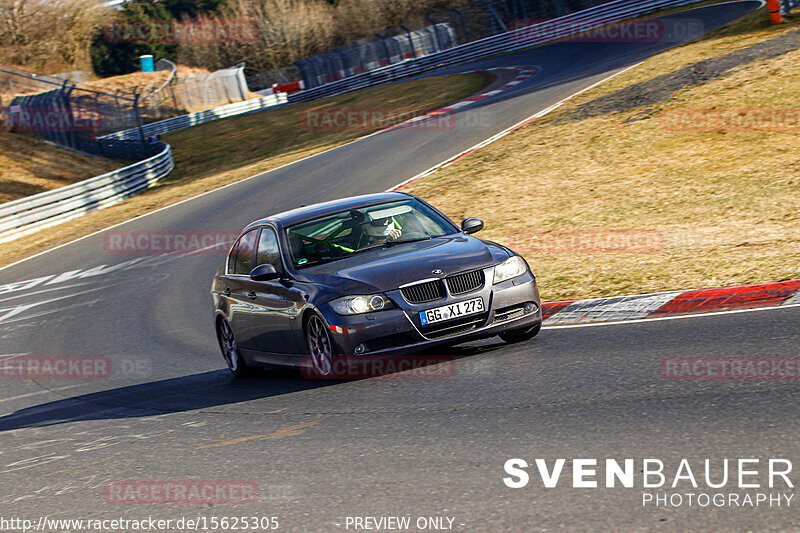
551 30
200 117
33 213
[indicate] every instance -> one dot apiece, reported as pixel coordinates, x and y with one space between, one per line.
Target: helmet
379 227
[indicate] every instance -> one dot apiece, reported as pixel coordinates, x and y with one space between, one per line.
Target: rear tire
519 335
230 350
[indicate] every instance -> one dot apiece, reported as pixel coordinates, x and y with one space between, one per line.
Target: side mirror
471 225
264 273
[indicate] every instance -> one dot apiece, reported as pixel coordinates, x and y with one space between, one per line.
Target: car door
277 304
235 286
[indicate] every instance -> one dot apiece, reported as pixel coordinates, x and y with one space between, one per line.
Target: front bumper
399 330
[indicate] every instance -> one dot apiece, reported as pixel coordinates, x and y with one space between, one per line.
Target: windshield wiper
388 244
368 248
395 243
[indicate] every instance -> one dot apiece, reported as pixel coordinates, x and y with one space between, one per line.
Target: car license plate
447 312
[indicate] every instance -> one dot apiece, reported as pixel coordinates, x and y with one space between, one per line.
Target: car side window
269 252
244 253
232 258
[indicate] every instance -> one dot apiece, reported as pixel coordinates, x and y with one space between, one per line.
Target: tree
141 27
181 9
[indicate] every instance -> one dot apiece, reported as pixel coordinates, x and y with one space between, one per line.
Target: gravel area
660 89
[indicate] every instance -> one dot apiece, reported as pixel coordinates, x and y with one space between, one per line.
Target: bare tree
51 34
289 30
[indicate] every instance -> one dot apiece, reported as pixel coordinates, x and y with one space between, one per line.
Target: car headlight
356 305
510 268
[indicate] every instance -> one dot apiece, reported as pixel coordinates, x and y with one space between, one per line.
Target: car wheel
519 335
230 349
320 346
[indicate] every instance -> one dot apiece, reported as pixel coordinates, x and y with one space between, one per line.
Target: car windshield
350 232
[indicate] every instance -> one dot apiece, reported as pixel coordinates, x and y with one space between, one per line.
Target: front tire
520 335
230 350
320 346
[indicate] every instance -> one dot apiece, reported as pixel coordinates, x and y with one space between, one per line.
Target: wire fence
74 115
278 76
181 94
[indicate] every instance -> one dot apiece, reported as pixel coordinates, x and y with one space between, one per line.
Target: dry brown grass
225 151
714 208
751 29
29 166
140 79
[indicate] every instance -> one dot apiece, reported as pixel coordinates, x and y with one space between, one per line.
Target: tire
519 335
320 346
230 350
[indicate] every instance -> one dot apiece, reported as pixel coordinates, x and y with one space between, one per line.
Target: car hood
385 269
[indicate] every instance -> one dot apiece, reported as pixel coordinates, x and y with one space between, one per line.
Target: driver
379 230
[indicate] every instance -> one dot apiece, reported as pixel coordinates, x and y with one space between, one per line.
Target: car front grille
420 293
464 283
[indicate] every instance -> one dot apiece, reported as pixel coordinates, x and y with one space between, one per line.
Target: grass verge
29 165
633 202
222 152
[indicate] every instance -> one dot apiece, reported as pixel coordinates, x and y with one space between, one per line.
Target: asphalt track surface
322 451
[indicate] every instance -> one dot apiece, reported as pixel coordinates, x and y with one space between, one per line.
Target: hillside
30 166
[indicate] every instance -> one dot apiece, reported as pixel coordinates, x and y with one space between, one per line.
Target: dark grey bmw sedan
365 277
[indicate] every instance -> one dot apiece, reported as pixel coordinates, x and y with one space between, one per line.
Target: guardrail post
410 41
138 117
492 13
463 26
435 34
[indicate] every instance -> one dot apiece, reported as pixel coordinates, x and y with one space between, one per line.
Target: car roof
303 213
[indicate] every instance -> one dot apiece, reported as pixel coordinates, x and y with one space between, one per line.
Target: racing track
323 451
